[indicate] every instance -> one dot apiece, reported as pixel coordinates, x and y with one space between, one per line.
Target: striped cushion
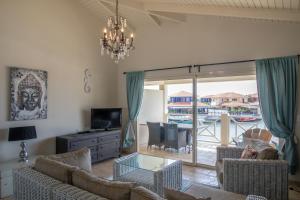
69 192
141 193
80 158
55 169
171 194
114 190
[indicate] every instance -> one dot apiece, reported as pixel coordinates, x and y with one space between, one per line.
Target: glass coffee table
151 172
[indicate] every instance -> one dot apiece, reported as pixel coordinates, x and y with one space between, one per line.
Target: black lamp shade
22 133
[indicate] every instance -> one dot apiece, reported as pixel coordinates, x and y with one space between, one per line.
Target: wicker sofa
268 178
30 184
69 177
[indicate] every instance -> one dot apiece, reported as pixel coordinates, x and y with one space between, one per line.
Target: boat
247 119
210 119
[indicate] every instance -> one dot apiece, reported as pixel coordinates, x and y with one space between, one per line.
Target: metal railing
243 126
211 132
208 131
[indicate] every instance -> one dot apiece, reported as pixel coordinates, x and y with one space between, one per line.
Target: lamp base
23 156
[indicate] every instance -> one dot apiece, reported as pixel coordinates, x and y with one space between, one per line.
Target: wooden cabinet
103 144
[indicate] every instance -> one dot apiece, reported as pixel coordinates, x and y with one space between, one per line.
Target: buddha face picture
28 94
30 99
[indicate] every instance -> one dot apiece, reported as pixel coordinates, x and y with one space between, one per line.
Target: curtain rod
168 68
202 65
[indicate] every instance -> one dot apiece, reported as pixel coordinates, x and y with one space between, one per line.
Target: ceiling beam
128 4
252 13
111 10
178 18
155 19
139 7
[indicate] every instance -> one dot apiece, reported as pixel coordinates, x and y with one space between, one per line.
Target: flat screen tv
106 118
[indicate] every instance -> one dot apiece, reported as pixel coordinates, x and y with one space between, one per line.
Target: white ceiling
289 4
140 12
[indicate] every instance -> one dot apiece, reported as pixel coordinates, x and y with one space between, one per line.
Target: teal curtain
135 90
277 90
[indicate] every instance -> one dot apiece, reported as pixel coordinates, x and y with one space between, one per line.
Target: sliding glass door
226 108
209 108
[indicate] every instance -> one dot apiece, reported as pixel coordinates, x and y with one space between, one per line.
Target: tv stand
103 144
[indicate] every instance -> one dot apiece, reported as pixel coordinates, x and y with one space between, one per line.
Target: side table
6 174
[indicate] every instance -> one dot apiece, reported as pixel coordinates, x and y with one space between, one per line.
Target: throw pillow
268 154
141 193
171 194
55 169
249 153
114 190
80 158
257 144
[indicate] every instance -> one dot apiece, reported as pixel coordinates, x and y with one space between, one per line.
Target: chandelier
114 40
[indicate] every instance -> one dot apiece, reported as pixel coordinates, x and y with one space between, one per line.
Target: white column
165 110
225 126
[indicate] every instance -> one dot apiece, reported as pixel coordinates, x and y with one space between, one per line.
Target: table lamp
21 134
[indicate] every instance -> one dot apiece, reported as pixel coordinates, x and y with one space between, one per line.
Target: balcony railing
220 131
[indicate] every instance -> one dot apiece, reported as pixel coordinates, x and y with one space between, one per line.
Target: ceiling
140 12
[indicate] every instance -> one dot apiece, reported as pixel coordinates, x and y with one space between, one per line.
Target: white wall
204 39
61 37
152 110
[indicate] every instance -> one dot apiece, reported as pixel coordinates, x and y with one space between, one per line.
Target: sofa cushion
249 153
55 169
141 193
171 194
70 192
80 158
113 190
213 193
220 171
268 154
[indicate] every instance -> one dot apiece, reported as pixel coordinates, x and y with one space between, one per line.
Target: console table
103 144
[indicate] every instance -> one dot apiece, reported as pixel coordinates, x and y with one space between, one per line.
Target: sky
211 88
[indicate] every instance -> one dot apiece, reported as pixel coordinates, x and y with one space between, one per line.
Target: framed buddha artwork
28 94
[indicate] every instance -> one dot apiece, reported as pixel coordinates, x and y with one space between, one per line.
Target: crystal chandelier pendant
114 40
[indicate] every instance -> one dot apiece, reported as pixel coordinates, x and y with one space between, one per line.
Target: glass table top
150 163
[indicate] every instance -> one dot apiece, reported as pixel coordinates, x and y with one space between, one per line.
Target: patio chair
257 133
174 138
268 178
155 134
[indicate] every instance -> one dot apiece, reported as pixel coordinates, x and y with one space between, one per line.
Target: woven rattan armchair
174 138
156 136
268 178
